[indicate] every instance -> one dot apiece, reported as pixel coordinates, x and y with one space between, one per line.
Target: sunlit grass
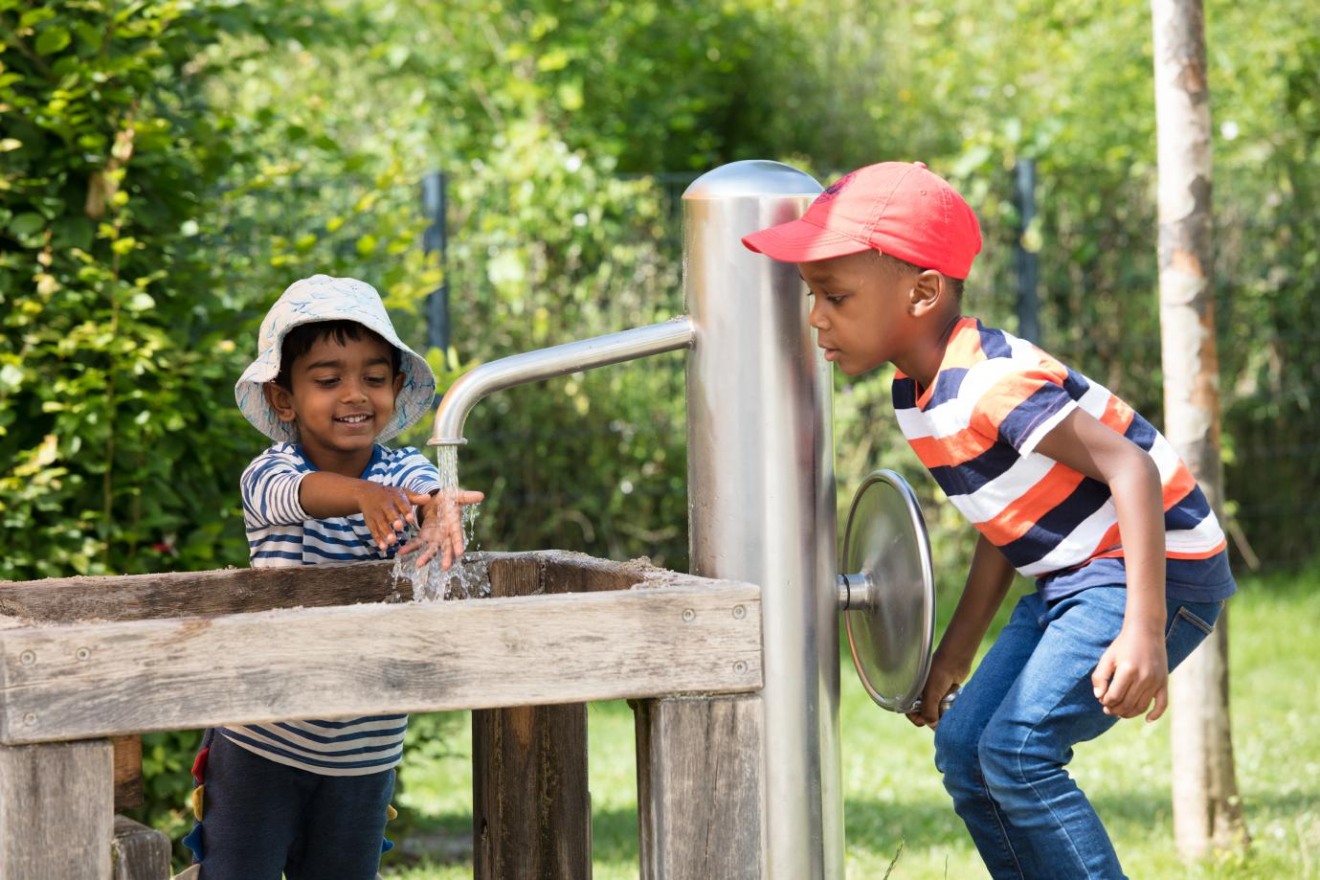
895 805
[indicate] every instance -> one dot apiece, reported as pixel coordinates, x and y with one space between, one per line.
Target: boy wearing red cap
1065 483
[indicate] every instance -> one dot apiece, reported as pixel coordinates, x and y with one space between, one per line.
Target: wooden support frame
86 680
531 804
85 659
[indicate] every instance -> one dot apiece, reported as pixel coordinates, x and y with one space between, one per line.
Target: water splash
466 578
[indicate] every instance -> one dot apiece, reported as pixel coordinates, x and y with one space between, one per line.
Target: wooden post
128 772
700 788
531 808
139 852
56 811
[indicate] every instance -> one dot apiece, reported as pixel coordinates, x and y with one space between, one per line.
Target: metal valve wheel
887 591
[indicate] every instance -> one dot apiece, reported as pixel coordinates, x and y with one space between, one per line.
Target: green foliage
610 476
167 783
114 348
124 325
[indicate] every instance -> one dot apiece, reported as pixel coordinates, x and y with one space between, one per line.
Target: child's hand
441 532
943 679
1133 671
387 511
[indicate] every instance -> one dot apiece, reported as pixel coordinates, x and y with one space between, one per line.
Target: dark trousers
261 819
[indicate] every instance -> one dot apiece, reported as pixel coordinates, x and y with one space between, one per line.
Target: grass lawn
897 812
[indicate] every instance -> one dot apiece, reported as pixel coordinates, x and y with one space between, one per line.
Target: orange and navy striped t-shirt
976 428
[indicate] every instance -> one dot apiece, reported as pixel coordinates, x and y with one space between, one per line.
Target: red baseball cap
897 208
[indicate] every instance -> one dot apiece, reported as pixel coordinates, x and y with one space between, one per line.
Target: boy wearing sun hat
1065 483
331 382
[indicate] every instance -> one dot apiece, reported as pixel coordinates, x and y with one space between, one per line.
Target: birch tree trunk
1207 812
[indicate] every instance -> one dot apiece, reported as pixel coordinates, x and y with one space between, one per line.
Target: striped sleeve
270 487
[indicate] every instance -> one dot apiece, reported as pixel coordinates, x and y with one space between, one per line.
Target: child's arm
1135 668
988 581
386 509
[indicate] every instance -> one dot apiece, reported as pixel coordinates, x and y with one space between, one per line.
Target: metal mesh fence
1097 310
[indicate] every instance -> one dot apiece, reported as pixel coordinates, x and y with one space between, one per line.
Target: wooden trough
83 660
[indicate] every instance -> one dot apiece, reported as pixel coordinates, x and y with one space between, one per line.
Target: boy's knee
1001 764
955 749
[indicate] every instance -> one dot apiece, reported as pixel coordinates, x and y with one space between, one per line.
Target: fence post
435 204
1025 258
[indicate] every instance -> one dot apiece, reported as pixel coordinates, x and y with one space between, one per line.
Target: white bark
1206 809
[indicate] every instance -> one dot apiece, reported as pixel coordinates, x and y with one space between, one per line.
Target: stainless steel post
761 490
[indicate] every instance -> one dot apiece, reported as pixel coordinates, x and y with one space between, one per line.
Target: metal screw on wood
739 612
689 615
83 653
27 658
740 666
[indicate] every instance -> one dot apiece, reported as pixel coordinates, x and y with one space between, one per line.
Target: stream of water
466 578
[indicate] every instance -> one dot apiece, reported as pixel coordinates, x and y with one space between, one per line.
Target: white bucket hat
322 298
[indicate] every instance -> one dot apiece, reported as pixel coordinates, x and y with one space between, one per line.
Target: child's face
860 310
341 395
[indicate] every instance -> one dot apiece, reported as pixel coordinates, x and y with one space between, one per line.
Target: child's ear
928 292
399 378
280 400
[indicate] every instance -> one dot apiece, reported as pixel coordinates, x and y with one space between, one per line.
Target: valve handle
887 594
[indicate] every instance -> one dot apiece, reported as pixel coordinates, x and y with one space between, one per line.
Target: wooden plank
195 594
56 811
700 788
244 590
574 573
80 681
531 808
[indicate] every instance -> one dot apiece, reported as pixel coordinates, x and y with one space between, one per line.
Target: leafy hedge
116 345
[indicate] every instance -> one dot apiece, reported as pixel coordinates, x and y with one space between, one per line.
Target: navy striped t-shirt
282 535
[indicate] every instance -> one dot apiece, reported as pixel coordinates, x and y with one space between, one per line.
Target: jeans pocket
1189 624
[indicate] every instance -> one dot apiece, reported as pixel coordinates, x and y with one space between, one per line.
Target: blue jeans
262 819
1004 744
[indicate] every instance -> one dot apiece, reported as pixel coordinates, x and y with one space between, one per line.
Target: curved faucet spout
546 363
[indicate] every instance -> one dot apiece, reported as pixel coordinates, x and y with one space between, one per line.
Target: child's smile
342 397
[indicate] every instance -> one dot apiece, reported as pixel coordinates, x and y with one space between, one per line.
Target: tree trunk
1207 812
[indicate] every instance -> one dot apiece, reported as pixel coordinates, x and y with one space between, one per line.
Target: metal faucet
546 363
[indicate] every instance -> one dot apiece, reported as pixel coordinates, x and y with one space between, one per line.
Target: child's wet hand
441 532
387 511
1132 673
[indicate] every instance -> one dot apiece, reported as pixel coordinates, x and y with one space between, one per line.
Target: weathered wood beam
86 680
139 852
244 590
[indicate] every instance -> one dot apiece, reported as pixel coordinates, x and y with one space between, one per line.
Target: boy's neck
926 358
